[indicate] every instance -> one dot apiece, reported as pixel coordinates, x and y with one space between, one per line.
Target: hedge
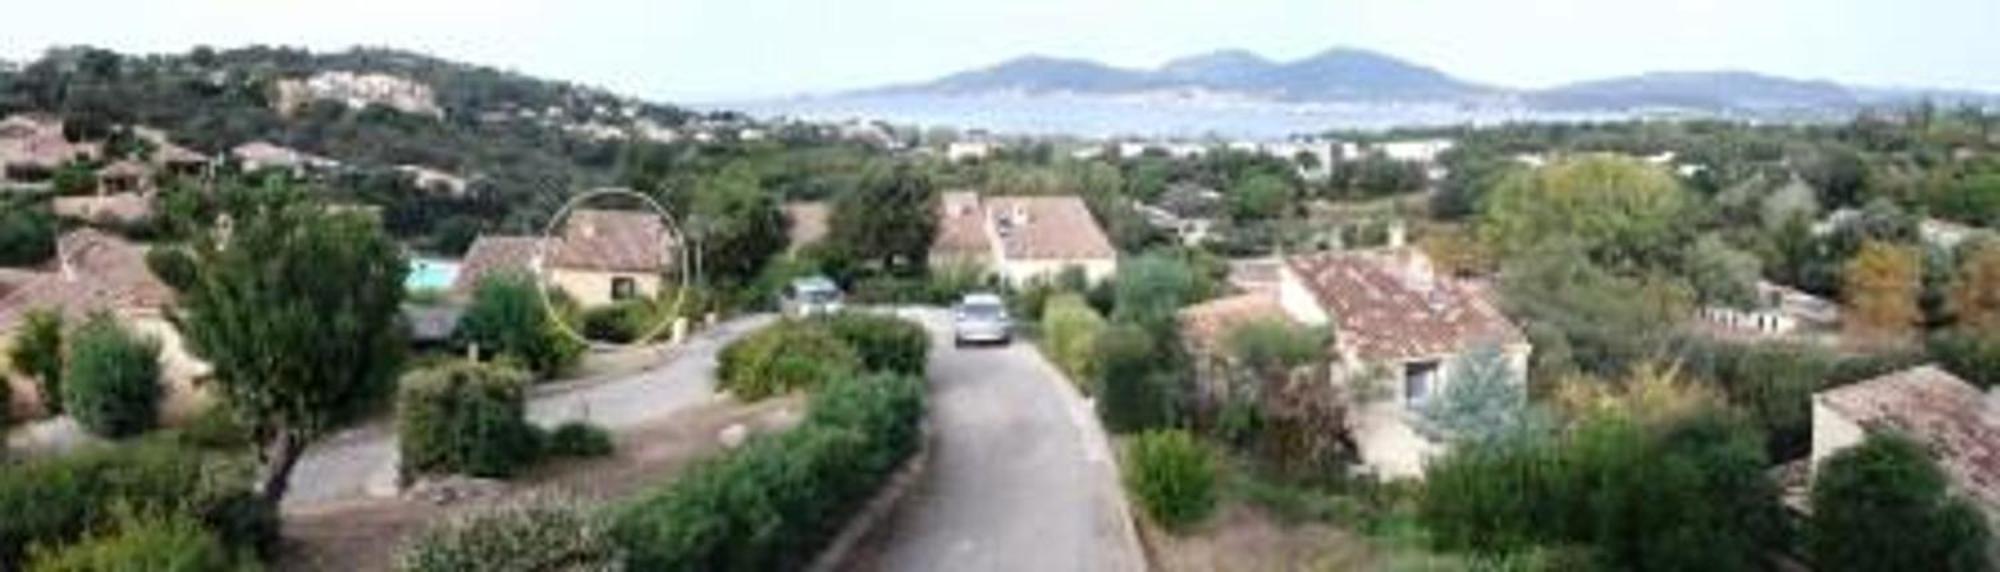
57 500
622 322
773 504
465 418
112 384
579 439
787 356
884 343
1172 475
1069 335
536 535
164 543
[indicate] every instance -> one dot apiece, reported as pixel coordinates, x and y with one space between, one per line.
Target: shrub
112 386
1069 334
218 428
56 500
532 536
1884 505
465 418
1973 355
27 233
1135 392
579 439
165 543
38 352
775 502
884 343
622 322
789 355
1173 477
507 318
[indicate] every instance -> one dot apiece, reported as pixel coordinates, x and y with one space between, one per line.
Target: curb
1097 448
877 511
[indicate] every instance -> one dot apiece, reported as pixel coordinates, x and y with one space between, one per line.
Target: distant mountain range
1345 75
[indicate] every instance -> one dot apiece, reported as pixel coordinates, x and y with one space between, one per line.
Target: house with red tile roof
1022 239
97 272
1399 329
1957 423
599 257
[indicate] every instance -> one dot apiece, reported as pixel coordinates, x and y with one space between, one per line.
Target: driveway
361 462
1021 475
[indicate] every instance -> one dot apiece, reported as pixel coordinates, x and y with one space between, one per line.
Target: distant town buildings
358 90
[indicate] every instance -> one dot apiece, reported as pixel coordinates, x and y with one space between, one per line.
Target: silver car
981 318
815 296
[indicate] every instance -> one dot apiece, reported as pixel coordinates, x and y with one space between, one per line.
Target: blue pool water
430 274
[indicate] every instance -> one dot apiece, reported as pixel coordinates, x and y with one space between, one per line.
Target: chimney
1396 231
63 263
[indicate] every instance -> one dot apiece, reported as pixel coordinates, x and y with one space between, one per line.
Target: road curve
361 462
1021 477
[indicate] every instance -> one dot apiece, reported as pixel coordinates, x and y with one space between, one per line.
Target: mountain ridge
1347 74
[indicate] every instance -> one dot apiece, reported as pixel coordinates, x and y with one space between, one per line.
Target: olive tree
296 307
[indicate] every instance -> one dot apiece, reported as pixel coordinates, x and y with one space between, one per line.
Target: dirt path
365 534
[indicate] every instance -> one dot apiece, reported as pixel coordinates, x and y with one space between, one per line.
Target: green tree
737 225
508 318
298 311
1151 289
890 219
112 385
1884 505
1723 275
38 352
1260 196
27 234
1622 211
1134 391
1486 401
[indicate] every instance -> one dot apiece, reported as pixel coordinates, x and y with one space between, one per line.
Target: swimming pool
430 274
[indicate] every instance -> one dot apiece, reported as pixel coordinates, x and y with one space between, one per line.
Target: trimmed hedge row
774 503
884 343
56 501
540 534
787 356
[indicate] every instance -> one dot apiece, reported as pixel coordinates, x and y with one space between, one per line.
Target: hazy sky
707 50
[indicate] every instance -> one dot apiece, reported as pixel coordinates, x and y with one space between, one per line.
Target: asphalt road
1021 477
361 462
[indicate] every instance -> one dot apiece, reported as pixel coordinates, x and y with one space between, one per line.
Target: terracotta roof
1256 274
1387 304
494 254
961 231
95 271
1204 326
619 241
126 168
1950 417
1047 228
808 221
171 154
116 207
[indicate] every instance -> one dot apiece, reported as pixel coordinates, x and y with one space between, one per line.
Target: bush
1069 335
787 356
1135 390
507 318
216 428
1973 355
579 439
166 543
112 386
1884 505
531 536
884 343
54 501
623 322
27 234
1173 477
38 352
773 504
465 418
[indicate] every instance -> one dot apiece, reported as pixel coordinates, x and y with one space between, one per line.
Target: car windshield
983 311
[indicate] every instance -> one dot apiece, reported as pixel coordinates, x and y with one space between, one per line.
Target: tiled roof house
1022 239
1957 423
601 256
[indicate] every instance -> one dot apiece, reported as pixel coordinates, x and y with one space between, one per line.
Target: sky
695 51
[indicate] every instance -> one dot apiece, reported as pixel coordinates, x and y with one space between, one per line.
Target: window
1419 382
623 287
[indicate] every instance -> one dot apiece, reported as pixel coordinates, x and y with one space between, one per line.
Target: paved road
362 462
1020 476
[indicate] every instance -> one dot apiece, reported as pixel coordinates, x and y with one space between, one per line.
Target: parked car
981 318
815 296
